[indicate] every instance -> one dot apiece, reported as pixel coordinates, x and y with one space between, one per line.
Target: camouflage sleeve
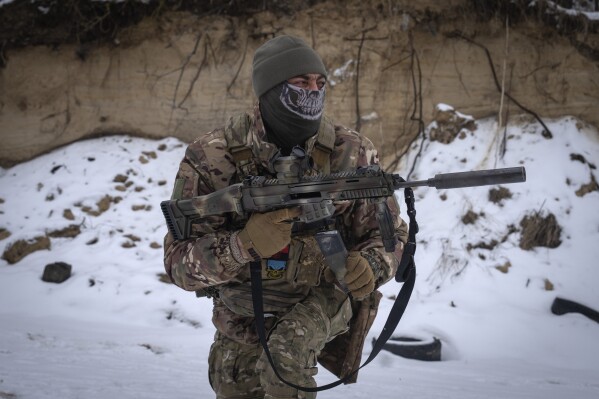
206 259
364 228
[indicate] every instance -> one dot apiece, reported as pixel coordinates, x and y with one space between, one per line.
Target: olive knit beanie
282 58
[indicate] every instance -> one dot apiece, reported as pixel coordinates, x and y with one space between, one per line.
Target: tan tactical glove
265 234
358 277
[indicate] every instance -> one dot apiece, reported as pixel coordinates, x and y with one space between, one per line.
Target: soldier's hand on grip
265 234
358 277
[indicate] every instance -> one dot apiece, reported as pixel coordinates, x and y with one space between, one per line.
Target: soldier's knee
294 345
291 371
232 369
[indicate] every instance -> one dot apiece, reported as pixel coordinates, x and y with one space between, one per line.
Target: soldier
304 306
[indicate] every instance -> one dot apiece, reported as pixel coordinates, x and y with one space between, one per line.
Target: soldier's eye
298 82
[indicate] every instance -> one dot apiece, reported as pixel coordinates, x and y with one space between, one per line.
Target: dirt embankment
156 71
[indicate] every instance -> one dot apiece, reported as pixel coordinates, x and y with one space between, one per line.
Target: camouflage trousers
238 370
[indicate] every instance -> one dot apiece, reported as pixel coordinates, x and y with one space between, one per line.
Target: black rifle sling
407 257
406 273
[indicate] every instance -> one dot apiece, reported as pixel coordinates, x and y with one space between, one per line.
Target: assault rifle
316 194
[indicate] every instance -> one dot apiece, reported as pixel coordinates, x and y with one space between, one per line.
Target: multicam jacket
206 260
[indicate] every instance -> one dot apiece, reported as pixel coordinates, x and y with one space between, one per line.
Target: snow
370 117
342 73
578 7
114 330
441 107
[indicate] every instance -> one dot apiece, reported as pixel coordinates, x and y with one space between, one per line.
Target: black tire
414 347
562 306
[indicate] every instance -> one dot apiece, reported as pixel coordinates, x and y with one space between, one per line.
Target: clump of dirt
505 267
539 231
470 217
588 188
449 124
497 195
68 214
580 158
163 277
21 248
70 231
101 206
483 245
4 233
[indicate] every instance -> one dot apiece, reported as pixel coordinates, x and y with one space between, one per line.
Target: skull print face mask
307 104
291 114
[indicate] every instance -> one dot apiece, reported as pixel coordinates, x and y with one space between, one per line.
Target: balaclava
290 114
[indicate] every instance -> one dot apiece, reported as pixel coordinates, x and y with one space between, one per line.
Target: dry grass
539 231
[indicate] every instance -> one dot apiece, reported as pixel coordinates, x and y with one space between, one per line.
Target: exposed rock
57 272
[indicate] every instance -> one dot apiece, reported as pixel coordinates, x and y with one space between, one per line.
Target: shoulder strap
236 133
325 142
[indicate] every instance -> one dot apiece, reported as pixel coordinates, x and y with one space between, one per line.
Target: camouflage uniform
303 312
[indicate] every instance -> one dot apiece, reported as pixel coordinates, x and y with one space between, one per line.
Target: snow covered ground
114 330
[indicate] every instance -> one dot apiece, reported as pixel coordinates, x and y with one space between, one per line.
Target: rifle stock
316 195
